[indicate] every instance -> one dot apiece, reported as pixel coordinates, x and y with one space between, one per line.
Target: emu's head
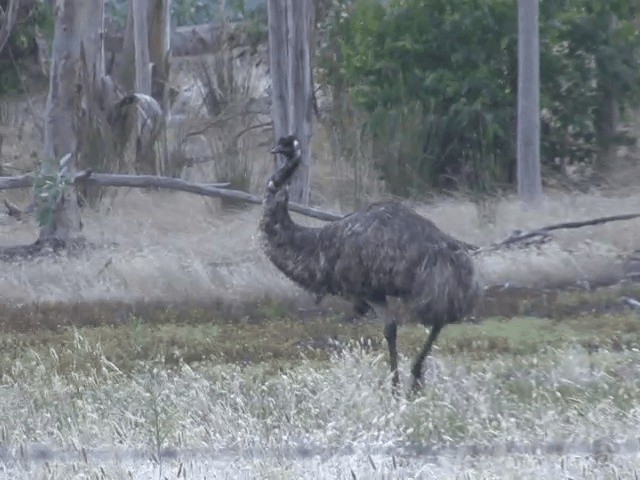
289 147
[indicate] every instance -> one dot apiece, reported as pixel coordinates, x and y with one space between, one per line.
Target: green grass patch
177 336
525 335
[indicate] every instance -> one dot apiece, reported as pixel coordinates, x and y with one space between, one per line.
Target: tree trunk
160 56
160 49
145 158
607 116
278 63
77 37
529 177
141 46
290 29
300 24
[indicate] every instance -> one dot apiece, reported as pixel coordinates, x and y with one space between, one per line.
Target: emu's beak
276 149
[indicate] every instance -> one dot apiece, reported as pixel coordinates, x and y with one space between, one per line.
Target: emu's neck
275 218
288 245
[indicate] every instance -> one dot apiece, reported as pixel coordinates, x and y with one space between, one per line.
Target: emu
384 250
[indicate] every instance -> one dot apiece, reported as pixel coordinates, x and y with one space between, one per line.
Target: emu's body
384 250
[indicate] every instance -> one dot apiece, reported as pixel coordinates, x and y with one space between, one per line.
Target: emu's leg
416 370
390 333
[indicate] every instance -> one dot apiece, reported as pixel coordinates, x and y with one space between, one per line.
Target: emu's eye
296 145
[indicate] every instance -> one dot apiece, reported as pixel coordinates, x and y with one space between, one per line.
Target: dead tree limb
146 181
541 235
218 190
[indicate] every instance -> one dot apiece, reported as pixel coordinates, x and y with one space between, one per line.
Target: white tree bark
141 46
290 30
77 34
300 24
528 150
278 63
160 49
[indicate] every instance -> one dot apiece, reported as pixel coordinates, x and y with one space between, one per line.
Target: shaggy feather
384 250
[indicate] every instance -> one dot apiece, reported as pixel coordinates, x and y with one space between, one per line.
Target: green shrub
437 81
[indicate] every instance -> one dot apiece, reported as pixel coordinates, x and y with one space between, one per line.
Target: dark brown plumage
384 250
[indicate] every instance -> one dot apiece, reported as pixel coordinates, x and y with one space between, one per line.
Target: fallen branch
216 190
541 235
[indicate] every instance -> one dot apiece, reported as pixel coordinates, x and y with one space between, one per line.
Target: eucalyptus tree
528 148
290 30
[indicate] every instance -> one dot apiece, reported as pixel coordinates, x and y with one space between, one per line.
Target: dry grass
176 247
188 248
560 412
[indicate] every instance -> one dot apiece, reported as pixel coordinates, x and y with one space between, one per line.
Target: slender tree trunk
77 37
160 57
290 29
278 58
529 177
300 19
607 115
160 49
141 43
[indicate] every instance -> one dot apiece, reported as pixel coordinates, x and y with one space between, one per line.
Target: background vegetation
435 84
424 91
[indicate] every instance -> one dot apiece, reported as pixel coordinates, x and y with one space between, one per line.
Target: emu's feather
384 250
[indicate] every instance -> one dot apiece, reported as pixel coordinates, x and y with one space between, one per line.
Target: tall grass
557 412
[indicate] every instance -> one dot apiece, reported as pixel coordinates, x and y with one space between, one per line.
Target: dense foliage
435 82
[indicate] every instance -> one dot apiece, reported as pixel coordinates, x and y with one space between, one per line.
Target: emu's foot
416 388
395 385
416 383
